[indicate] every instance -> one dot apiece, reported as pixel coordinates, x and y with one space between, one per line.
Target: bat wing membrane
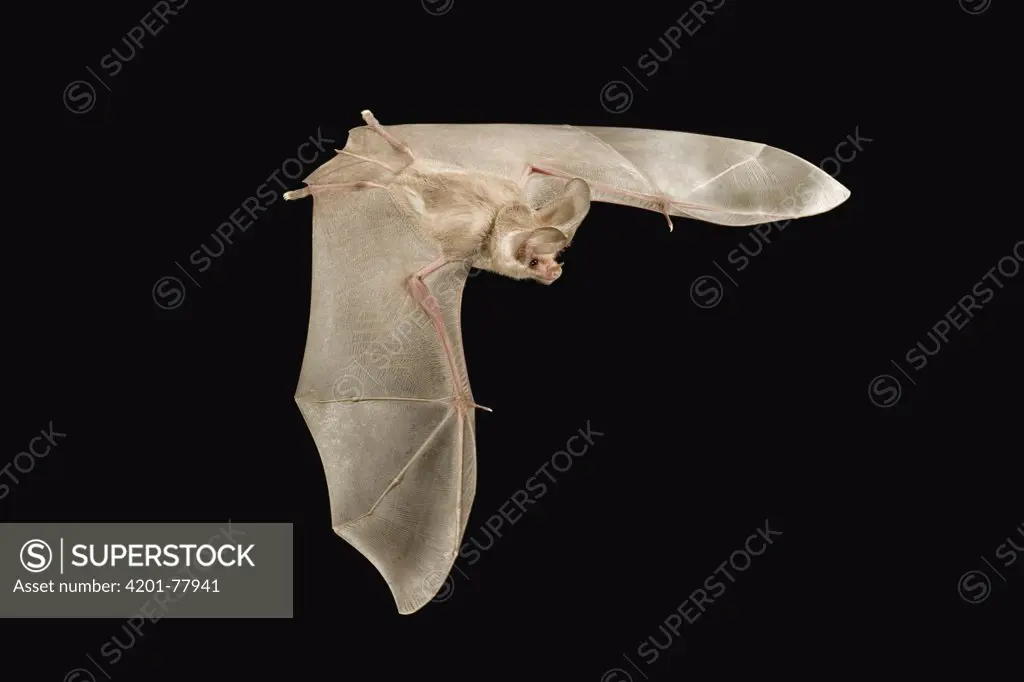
712 179
375 391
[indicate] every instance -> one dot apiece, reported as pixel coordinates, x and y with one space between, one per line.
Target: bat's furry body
398 215
457 209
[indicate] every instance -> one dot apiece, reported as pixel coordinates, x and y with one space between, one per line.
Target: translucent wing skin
375 389
712 179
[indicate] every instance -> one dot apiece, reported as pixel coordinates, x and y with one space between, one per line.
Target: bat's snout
552 273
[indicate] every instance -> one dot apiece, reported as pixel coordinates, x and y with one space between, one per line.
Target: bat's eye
533 263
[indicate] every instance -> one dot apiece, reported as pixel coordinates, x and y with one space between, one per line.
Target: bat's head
537 252
529 241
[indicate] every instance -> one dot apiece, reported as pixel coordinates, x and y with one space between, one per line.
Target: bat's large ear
565 213
544 241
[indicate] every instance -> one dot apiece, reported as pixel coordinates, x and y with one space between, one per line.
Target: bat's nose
551 275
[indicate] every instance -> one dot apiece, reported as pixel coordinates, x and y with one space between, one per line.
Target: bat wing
376 387
712 179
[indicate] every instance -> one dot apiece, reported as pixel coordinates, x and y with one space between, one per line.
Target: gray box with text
146 570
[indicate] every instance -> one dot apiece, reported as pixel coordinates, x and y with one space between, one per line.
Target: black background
714 419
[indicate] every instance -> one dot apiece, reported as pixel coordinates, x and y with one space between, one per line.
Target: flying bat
400 215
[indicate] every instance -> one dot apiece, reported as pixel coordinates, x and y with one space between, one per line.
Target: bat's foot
464 404
376 127
316 189
297 194
665 203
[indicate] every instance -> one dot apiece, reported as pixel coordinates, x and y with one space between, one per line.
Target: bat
400 216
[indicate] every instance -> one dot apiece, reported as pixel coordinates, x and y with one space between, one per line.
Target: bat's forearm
421 293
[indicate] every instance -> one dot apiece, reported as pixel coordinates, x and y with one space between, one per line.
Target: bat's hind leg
376 127
316 189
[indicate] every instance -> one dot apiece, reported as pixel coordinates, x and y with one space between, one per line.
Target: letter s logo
36 556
